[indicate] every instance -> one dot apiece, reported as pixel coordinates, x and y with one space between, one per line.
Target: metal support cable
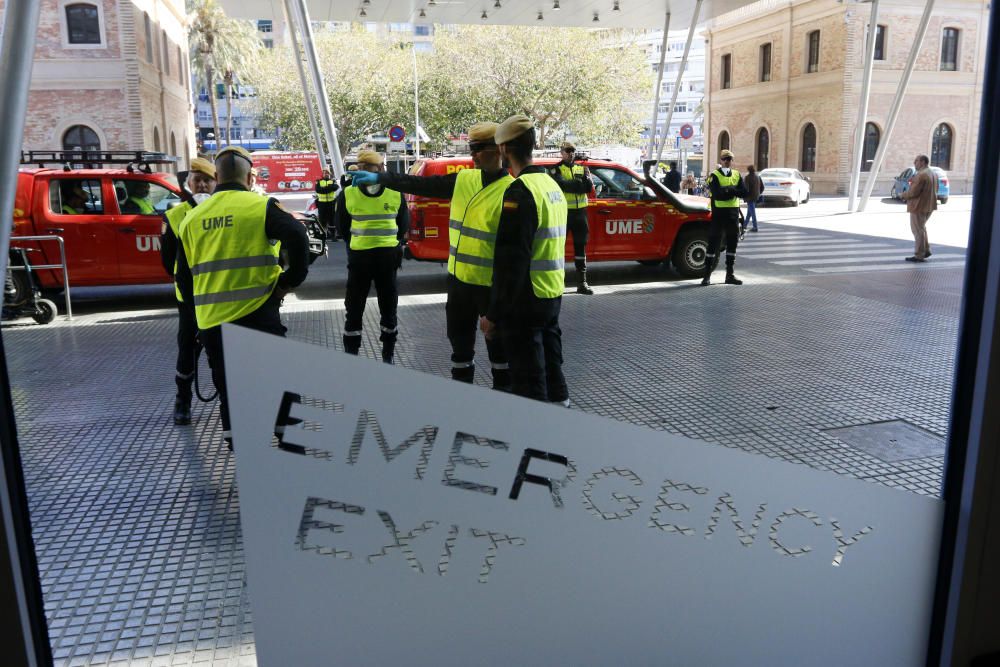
680 74
859 139
654 126
306 91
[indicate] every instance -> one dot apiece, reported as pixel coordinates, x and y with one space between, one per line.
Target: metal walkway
136 521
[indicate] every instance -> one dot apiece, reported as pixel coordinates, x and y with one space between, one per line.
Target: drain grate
891 441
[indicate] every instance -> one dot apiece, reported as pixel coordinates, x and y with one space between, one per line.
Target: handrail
62 265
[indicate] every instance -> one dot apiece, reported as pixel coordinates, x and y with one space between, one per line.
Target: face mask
201 197
372 189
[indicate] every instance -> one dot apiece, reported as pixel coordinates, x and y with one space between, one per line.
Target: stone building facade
785 80
111 75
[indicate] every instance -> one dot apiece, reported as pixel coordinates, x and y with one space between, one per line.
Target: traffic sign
397 133
687 131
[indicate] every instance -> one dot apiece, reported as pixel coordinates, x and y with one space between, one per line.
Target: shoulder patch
509 205
281 207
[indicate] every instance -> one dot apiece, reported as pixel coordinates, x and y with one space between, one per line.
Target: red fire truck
631 217
287 172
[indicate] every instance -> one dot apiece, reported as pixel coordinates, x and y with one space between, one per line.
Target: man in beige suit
921 201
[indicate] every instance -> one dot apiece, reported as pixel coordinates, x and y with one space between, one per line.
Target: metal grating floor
136 521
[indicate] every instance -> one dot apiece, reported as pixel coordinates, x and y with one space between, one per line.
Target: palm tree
220 44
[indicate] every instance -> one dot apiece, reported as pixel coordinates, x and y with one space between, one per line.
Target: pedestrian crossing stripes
827 253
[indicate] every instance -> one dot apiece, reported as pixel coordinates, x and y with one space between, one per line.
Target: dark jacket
673 180
754 185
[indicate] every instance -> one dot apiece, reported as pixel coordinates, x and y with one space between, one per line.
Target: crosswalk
821 252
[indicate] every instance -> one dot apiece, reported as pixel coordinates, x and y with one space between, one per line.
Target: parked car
631 217
902 184
785 185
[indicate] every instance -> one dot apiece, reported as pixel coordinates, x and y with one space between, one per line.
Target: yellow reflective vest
324 197
145 207
373 219
726 181
573 200
472 226
175 216
548 249
234 266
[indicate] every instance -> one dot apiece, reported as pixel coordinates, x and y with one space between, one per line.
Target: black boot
388 339
581 272
730 278
501 378
707 277
182 402
463 371
352 344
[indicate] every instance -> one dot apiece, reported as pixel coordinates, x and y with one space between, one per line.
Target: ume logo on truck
643 226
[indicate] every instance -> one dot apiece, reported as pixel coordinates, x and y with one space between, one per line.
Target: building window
763 144
81 138
941 146
268 43
149 37
166 52
813 63
83 24
422 30
872 138
880 32
727 70
765 62
949 50
156 139
808 158
723 141
180 66
265 25
173 144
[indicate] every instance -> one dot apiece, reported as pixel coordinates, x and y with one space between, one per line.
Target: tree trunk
228 81
211 103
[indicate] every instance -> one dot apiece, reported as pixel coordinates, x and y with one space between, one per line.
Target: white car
785 185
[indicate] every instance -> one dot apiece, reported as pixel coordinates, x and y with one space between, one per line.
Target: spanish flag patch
510 206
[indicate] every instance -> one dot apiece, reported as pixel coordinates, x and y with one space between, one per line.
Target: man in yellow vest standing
476 198
574 179
373 221
528 266
231 244
725 187
201 184
326 189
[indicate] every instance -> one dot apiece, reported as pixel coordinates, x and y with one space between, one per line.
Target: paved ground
836 354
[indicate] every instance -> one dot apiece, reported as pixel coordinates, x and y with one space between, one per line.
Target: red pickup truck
631 217
110 220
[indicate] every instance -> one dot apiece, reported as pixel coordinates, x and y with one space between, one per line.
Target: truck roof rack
81 159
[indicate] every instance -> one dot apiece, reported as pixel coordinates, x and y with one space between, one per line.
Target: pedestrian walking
754 186
373 221
672 179
200 183
528 265
476 199
574 179
921 201
231 244
725 188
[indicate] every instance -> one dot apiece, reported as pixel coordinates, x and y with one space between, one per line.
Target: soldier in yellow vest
138 201
528 270
326 189
476 199
574 179
201 184
373 221
231 244
726 188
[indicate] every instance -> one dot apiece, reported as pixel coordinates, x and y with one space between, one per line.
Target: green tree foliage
564 79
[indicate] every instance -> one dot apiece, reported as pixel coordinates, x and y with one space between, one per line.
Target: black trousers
466 303
533 342
267 318
725 222
324 212
187 349
576 224
364 267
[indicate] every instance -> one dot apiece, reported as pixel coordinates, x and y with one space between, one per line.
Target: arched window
808 158
941 146
873 136
723 141
949 49
156 139
763 150
173 144
166 52
83 24
81 138
148 27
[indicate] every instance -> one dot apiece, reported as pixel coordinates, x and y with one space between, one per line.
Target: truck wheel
46 311
689 253
18 289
